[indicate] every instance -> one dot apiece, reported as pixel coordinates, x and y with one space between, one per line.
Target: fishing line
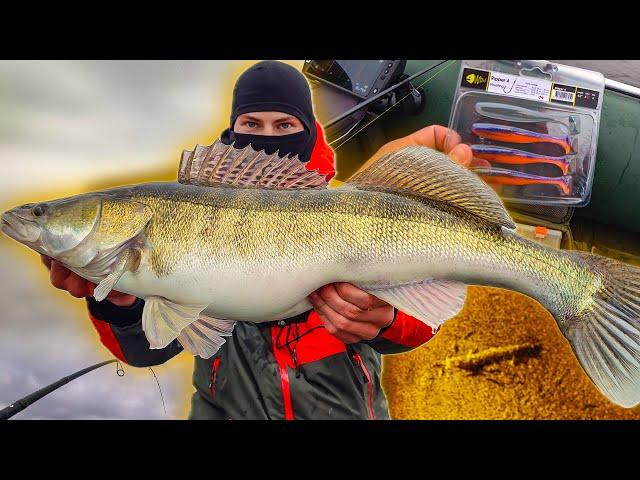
398 102
344 134
160 389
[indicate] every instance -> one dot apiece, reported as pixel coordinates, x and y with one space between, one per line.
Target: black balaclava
272 86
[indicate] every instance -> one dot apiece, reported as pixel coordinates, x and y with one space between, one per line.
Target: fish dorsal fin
429 174
245 167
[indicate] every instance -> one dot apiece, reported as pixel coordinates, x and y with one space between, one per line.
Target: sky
67 127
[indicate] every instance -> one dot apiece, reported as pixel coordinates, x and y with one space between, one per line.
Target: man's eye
251 124
285 126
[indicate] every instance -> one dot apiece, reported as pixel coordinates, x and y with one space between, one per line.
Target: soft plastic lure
510 177
512 156
514 113
506 133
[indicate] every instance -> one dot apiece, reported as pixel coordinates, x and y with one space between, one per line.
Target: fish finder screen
357 76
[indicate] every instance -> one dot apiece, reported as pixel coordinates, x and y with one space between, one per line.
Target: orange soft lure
506 133
510 177
512 156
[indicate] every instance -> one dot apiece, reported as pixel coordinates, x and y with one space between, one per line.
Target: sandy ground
502 357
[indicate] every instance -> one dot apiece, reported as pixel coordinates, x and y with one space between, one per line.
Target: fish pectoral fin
432 302
163 320
128 261
205 336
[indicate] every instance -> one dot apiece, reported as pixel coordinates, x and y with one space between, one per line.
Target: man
322 364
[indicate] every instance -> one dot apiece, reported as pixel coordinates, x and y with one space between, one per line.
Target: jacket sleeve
120 330
404 334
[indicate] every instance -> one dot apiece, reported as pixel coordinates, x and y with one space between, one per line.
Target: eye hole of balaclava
272 86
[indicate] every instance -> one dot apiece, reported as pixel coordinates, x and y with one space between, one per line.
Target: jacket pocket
215 366
369 384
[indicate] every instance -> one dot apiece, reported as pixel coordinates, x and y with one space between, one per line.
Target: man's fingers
445 138
479 162
438 137
352 294
344 337
77 286
64 279
58 275
461 154
348 316
46 261
328 295
339 324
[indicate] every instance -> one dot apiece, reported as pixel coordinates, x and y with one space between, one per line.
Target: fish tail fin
606 334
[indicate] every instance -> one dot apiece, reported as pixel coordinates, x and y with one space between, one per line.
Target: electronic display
359 77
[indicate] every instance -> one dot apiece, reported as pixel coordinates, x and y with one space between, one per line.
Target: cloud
84 119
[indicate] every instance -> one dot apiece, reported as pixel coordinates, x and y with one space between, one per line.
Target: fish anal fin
426 173
432 302
163 320
205 336
222 164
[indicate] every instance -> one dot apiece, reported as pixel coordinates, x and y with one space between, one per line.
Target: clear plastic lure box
532 126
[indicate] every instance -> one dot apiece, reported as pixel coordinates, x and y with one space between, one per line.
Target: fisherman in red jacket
321 364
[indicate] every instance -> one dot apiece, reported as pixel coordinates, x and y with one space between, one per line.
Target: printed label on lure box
568 95
506 84
564 94
516 86
528 87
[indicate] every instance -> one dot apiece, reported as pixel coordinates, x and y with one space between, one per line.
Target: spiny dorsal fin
224 164
430 174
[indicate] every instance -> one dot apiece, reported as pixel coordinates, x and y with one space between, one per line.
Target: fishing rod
19 405
378 96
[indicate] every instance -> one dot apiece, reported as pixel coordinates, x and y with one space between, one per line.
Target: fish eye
39 210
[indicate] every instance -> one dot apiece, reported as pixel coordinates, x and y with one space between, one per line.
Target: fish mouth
6 226
19 228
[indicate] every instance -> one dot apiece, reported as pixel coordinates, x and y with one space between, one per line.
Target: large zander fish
245 236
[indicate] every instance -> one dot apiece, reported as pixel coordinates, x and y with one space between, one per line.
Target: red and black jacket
277 370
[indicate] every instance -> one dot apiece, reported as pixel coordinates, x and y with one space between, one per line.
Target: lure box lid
536 123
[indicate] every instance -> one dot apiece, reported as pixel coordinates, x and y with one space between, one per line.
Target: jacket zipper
214 374
367 377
